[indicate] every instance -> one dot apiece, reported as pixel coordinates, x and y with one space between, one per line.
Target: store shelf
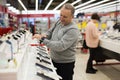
15 69
26 59
110 44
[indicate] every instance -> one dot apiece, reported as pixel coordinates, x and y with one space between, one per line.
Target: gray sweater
62 41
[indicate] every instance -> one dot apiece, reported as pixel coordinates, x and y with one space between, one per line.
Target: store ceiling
31 4
42 4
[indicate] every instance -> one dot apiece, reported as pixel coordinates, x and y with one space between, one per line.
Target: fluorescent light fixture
11 8
107 8
48 4
60 4
7 4
36 5
104 5
93 4
22 5
83 4
75 2
102 9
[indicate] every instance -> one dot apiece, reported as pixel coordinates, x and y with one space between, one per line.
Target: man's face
65 16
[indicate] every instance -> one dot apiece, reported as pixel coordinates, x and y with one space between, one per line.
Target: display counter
111 47
27 62
39 65
16 58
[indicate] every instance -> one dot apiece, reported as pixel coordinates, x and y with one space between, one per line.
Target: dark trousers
65 70
93 52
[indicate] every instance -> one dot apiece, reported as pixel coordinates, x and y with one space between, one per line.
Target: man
92 41
61 39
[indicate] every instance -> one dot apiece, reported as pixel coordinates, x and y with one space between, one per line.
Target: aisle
105 72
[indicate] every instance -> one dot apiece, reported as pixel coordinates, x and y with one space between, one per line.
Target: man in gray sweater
61 39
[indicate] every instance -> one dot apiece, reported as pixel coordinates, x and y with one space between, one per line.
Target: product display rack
15 61
12 20
45 68
27 62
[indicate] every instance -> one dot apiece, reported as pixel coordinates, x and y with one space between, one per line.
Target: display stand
41 66
15 67
29 62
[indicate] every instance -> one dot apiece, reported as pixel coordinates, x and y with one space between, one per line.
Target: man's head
66 14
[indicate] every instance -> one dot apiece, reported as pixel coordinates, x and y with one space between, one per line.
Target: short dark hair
69 7
95 16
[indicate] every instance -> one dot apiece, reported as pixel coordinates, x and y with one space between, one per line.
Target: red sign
36 15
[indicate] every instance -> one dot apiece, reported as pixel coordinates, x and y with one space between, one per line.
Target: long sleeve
65 42
62 43
92 35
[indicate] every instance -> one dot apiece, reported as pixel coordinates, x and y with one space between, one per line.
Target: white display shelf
107 43
32 69
26 60
17 72
14 72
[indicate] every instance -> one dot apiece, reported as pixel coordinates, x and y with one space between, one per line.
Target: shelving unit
12 20
29 62
3 19
15 67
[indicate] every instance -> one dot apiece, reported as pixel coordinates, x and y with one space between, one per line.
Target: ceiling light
60 4
101 9
75 2
107 8
36 5
48 4
7 4
83 4
104 5
10 7
22 5
93 4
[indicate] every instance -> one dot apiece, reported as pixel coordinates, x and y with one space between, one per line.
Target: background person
92 41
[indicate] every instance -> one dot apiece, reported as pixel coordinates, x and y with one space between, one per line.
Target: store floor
105 72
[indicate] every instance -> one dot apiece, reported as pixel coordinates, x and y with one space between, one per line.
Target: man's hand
38 36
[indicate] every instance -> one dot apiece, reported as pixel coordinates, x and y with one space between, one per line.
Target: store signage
36 15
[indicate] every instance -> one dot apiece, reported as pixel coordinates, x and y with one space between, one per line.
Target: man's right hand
37 36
